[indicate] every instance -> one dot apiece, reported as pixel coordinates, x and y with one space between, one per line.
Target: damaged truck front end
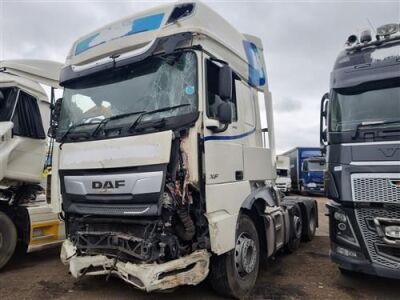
129 175
188 270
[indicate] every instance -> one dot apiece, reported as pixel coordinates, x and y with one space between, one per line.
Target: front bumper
188 270
363 266
365 258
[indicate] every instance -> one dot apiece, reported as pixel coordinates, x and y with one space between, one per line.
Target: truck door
223 150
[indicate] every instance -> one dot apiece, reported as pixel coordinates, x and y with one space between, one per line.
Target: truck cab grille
379 252
372 187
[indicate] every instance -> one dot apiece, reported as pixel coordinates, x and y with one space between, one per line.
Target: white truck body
23 155
224 171
283 181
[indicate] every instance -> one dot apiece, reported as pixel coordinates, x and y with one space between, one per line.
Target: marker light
345 252
352 39
387 30
365 36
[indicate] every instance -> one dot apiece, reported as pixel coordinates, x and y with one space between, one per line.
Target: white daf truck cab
159 160
283 181
28 219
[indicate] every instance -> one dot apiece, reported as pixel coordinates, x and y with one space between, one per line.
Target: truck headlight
344 230
340 216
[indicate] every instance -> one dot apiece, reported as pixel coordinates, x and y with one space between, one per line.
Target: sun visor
356 75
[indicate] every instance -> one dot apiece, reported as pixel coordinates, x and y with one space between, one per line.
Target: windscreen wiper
71 128
106 120
139 119
372 124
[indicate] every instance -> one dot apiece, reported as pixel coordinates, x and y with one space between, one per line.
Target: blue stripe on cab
228 137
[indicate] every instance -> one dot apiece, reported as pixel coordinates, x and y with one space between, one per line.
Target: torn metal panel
188 270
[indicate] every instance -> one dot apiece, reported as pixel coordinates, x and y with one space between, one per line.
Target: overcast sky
301 40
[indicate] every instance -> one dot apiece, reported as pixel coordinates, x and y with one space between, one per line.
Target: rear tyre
297 229
311 225
235 273
8 239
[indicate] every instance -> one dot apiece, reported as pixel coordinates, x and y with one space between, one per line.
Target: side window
213 100
246 103
27 119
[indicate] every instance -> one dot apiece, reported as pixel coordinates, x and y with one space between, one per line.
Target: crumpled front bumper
188 270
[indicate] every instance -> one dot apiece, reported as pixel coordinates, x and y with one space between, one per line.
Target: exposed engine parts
178 228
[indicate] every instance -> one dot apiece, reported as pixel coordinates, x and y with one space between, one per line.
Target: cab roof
41 71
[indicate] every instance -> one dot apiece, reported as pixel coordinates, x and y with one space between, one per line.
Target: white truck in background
159 160
283 181
28 219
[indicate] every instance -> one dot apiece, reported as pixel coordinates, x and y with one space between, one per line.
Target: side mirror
224 113
55 117
323 138
225 83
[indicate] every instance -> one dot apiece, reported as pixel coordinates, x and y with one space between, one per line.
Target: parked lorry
306 170
159 162
283 181
360 129
28 219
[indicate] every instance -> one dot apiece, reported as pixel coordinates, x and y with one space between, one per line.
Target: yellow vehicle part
44 233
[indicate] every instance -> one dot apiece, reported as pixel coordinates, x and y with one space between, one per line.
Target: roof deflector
42 71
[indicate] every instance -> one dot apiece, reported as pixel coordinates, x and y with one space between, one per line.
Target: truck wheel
8 239
234 274
309 230
297 230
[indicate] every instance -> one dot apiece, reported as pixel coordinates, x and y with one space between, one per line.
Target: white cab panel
140 150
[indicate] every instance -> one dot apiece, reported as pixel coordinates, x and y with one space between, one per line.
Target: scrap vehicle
360 131
28 219
159 161
307 170
283 181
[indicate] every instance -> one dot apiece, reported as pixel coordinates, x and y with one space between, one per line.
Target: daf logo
108 184
389 152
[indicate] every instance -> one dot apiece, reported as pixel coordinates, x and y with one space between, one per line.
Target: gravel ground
306 274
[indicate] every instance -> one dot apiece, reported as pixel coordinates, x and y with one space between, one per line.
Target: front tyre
235 273
8 239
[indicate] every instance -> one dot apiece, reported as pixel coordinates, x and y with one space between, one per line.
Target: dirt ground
306 274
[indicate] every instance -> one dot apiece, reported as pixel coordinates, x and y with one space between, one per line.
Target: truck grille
384 188
379 252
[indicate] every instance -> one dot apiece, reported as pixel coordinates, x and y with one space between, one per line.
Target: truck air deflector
120 30
166 45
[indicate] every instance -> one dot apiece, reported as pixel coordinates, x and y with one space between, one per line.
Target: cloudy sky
301 38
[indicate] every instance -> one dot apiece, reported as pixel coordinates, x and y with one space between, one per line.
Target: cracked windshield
155 89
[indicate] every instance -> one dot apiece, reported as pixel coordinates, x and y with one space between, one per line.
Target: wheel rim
297 226
1 240
245 254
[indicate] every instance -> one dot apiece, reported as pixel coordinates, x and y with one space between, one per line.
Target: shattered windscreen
156 83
